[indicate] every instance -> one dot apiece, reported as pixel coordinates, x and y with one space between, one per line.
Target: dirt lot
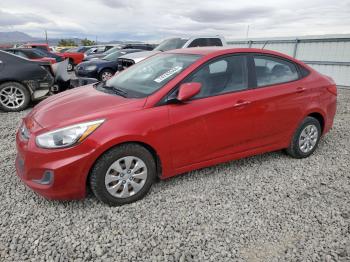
264 208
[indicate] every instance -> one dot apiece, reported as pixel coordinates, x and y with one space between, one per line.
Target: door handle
301 89
241 103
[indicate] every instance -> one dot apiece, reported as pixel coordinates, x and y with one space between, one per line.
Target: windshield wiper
116 90
119 91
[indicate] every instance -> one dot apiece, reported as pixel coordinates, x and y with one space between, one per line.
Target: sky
152 20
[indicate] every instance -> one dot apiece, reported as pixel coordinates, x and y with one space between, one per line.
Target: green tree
66 42
87 42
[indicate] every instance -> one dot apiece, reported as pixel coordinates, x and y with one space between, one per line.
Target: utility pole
247 33
47 42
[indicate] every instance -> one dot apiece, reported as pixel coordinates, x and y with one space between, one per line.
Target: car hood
95 56
96 62
139 56
79 105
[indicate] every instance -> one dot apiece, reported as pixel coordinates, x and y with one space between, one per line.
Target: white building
330 54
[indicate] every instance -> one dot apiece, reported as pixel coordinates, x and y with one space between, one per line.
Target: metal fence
329 56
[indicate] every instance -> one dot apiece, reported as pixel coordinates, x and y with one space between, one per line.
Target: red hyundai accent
169 114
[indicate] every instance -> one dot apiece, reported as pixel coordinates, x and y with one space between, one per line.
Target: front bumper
55 174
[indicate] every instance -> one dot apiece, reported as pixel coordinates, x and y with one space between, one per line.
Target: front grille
124 63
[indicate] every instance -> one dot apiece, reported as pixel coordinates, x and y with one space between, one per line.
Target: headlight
90 68
67 136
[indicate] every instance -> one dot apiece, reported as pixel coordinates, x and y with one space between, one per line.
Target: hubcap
69 67
11 97
308 138
126 176
106 75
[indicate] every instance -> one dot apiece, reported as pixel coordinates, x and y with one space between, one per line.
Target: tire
105 72
14 97
297 148
123 184
70 66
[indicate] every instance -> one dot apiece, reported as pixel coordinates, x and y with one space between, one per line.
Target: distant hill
20 38
14 37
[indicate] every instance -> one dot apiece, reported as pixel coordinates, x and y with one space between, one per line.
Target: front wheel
106 74
305 139
123 174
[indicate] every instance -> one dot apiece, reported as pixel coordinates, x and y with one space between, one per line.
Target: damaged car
23 81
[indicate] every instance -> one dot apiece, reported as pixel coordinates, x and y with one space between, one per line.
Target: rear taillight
332 89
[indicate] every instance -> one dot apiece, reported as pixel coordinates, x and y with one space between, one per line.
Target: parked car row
104 66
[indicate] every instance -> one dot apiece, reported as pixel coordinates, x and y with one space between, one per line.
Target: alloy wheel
308 138
106 75
12 97
126 176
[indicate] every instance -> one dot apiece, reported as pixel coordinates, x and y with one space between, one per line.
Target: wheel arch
150 148
100 70
4 81
320 118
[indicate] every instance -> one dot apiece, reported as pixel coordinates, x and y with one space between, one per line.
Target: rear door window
271 70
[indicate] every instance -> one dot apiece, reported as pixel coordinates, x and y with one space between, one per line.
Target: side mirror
188 90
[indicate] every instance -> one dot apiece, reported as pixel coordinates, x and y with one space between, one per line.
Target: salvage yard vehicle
22 81
171 44
31 54
117 48
102 69
172 113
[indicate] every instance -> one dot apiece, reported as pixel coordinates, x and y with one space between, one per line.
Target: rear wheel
305 139
123 174
106 74
13 97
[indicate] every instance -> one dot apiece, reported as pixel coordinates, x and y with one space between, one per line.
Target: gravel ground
264 208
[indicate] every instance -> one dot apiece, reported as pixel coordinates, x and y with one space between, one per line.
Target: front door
216 122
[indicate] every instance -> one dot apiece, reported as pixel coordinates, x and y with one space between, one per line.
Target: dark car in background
22 81
102 69
144 47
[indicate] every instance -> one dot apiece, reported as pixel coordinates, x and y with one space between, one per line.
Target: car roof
214 51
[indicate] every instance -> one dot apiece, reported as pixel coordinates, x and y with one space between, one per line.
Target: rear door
278 101
217 121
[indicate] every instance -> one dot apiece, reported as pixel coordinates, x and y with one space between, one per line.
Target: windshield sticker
168 74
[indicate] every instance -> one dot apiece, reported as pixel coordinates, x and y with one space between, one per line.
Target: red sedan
171 113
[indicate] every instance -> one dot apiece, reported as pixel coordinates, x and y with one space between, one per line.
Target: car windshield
113 56
148 76
112 50
170 44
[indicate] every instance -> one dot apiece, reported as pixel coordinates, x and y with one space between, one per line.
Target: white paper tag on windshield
168 73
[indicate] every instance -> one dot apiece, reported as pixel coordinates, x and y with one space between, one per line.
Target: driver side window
223 75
